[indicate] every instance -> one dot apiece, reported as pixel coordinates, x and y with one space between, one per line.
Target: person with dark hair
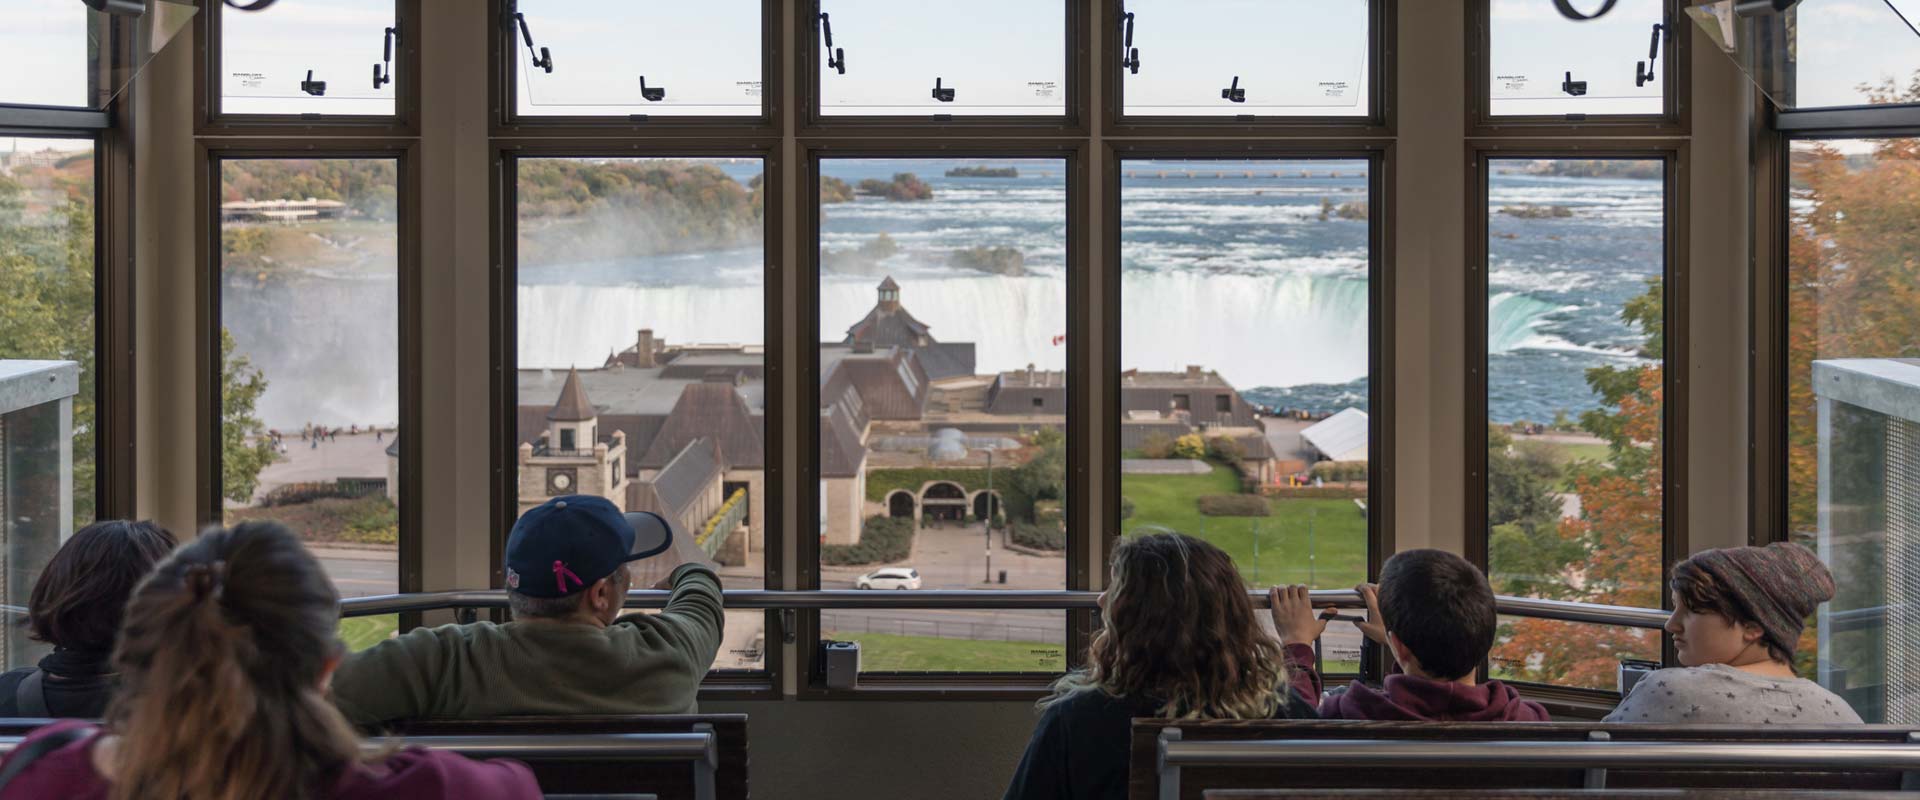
568 650
1737 617
76 606
1180 642
224 662
1435 612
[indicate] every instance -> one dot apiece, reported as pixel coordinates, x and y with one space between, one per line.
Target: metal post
705 766
986 525
1169 773
1311 513
1596 777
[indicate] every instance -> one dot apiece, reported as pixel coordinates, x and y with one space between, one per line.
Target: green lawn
1335 527
886 652
361 633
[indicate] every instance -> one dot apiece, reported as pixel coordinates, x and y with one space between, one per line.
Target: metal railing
1596 755
698 748
752 599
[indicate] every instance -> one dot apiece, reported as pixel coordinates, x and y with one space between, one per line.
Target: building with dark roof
890 325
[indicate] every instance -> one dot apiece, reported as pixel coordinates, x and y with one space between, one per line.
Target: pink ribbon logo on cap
561 574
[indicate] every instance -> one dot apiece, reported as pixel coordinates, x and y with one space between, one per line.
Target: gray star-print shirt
1717 694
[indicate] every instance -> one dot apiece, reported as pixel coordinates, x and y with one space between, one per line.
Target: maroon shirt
1421 700
67 773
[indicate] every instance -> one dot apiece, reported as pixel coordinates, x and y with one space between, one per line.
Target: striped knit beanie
1777 586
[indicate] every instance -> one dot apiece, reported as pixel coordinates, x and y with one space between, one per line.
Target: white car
890 578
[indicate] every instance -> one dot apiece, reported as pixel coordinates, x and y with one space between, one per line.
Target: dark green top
641 664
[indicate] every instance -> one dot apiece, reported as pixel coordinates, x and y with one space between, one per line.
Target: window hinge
788 621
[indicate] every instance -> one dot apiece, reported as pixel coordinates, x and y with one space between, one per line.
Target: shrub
1235 505
1225 449
882 539
1126 507
297 493
1190 446
376 522
1157 445
1039 536
1340 471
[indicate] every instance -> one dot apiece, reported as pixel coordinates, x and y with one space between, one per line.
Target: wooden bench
1183 760
670 779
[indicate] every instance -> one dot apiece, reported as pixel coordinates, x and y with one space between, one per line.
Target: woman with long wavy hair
224 660
1180 641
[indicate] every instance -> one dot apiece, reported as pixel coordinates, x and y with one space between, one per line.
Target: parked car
890 578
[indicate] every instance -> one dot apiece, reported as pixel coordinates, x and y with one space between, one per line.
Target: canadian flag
1059 339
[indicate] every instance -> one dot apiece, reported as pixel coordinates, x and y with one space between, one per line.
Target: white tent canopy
1341 437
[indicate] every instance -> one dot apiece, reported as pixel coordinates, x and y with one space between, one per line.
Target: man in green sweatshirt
568 650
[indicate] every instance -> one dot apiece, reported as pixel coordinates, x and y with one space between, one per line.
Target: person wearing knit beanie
1738 613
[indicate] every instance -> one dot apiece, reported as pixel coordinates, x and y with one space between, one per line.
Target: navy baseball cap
567 543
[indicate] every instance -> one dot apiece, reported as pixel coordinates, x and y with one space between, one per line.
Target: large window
48 43
992 57
46 265
309 341
1217 58
603 58
642 355
334 58
1542 64
943 404
1853 410
1244 414
1820 53
1576 311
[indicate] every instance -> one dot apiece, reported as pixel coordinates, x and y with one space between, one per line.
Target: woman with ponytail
224 661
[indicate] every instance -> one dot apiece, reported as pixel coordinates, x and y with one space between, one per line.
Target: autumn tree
244 448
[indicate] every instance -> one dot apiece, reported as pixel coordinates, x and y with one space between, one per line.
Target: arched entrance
900 504
944 501
987 504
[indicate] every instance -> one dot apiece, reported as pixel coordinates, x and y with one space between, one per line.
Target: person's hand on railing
1293 615
1373 628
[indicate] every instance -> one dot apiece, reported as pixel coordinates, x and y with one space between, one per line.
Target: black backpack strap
25 755
30 695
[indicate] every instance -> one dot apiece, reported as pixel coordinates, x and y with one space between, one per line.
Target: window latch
545 59
1234 93
1643 70
653 95
1129 55
942 94
836 56
313 87
384 76
1573 87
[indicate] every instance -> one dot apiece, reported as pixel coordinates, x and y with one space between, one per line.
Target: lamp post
986 524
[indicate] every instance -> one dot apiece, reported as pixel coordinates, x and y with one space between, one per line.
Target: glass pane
46 265
1194 53
310 342
1545 64
1574 654
942 382
54 39
992 57
952 641
1262 450
1853 411
1820 53
641 291
608 57
36 413
1574 357
308 58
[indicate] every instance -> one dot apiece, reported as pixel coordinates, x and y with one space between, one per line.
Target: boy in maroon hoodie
1435 613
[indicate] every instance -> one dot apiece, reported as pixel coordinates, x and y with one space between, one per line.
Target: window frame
505 62
111 130
1381 315
1074 153
1381 102
1676 72
763 684
210 119
1674 401
1074 119
209 155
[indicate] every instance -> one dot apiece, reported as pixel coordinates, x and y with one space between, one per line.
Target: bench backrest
671 780
1385 755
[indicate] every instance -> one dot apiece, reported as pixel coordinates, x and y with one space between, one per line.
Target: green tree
244 448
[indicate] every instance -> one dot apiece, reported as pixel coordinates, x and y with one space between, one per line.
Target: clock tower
572 457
